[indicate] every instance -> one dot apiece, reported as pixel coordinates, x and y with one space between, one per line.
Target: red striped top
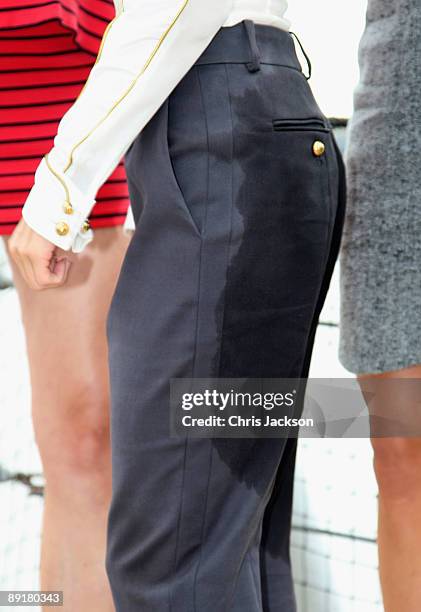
47 48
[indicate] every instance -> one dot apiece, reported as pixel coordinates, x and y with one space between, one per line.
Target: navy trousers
237 190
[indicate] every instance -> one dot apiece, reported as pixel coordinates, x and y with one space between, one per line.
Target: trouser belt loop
308 76
254 64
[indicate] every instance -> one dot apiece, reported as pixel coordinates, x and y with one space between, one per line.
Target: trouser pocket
187 145
300 125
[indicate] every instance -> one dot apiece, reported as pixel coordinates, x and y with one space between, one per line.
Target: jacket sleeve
145 52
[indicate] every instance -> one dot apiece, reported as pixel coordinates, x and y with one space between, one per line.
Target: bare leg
397 463
66 340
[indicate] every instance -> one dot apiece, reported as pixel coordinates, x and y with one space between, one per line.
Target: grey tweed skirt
381 252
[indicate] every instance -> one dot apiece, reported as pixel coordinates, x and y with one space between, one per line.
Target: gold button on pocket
62 229
318 148
85 227
68 208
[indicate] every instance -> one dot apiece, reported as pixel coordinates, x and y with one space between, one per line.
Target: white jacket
145 52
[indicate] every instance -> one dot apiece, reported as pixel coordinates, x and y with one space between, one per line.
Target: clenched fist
42 264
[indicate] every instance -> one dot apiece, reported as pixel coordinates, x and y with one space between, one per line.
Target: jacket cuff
57 210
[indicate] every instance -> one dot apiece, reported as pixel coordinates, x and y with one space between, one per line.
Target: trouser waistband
252 44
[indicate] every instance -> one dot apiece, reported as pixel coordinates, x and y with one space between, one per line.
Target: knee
74 439
397 464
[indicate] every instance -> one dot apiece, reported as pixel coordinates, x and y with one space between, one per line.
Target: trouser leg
223 278
277 584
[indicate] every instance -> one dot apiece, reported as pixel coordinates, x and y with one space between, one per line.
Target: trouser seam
203 528
186 443
218 359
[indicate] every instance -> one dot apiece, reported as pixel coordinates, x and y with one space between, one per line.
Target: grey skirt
381 253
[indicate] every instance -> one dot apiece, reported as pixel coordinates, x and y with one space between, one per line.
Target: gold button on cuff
318 148
62 229
85 227
68 208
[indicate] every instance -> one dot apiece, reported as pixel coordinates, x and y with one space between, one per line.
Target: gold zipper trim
58 177
133 83
101 46
98 57
103 39
47 161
